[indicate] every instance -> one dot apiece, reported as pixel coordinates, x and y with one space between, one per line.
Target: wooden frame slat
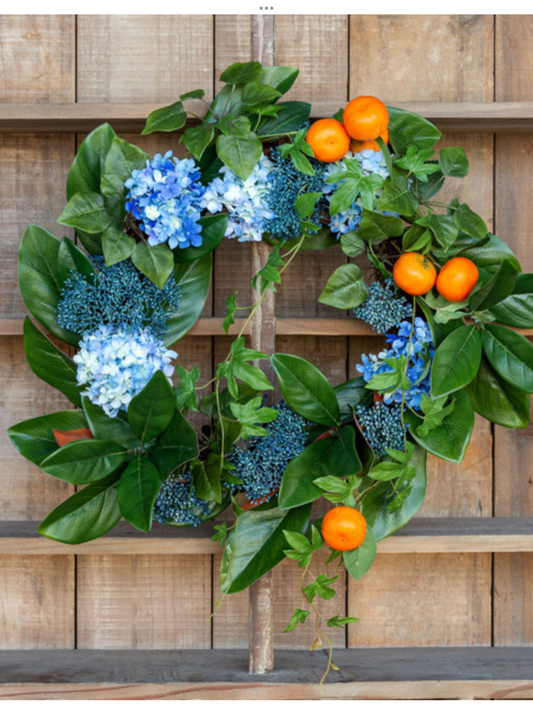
454 117
421 535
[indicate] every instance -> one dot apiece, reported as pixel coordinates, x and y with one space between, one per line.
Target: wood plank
513 69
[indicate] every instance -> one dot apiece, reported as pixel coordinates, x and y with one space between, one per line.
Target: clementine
457 278
414 273
328 139
358 146
365 118
344 528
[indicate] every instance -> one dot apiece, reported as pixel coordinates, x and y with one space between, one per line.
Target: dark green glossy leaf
498 288
256 544
281 78
35 439
194 279
490 256
49 363
194 94
408 129
70 259
453 162
169 118
156 262
450 439
151 411
351 394
137 491
306 389
114 429
444 229
456 361
85 461
39 281
517 309
359 560
498 401
345 288
206 477
510 354
240 153
85 516
288 120
213 230
197 138
178 444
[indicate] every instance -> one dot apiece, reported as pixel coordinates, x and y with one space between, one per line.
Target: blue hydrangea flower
116 362
383 309
287 183
166 198
382 426
119 294
177 501
417 352
372 162
261 461
244 200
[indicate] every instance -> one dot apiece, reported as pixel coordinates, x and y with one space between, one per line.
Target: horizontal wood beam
469 117
284 327
421 535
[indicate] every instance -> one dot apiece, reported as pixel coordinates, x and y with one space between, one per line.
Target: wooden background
163 602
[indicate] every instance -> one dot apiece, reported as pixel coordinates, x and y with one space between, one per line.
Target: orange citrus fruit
328 139
365 118
457 278
344 528
358 146
414 273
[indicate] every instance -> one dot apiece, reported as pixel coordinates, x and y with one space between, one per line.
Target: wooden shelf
494 117
364 673
421 535
284 327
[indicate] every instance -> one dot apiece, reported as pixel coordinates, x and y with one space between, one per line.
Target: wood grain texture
37 58
514 58
422 57
134 58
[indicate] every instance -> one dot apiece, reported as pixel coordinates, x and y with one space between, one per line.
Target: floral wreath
446 293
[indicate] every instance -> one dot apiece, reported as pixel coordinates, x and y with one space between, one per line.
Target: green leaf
281 78
498 288
117 245
467 221
341 621
69 259
453 162
156 262
299 616
186 388
213 229
517 309
510 354
496 400
34 438
321 587
490 256
194 94
345 288
255 93
85 461
306 389
397 197
255 545
39 281
178 444
301 163
456 361
242 72
151 411
288 120
444 229
114 429
351 394
406 129
352 244
85 516
415 162
231 310
197 138
359 560
49 363
450 439
120 162
240 153
376 228
305 204
85 211
250 414
169 118
137 491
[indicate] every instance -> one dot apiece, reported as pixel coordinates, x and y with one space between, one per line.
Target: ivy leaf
414 162
299 616
221 533
231 310
251 413
185 389
321 587
341 621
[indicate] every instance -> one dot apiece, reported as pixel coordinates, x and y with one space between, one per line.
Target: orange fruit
414 273
344 528
457 278
365 118
328 139
358 146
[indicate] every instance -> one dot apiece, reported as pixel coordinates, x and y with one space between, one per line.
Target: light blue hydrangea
372 162
244 200
166 198
417 353
116 362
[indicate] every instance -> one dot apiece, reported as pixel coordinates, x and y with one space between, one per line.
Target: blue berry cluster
286 183
119 294
260 463
177 502
383 309
166 198
382 426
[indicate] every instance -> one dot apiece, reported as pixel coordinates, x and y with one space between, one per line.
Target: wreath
445 292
